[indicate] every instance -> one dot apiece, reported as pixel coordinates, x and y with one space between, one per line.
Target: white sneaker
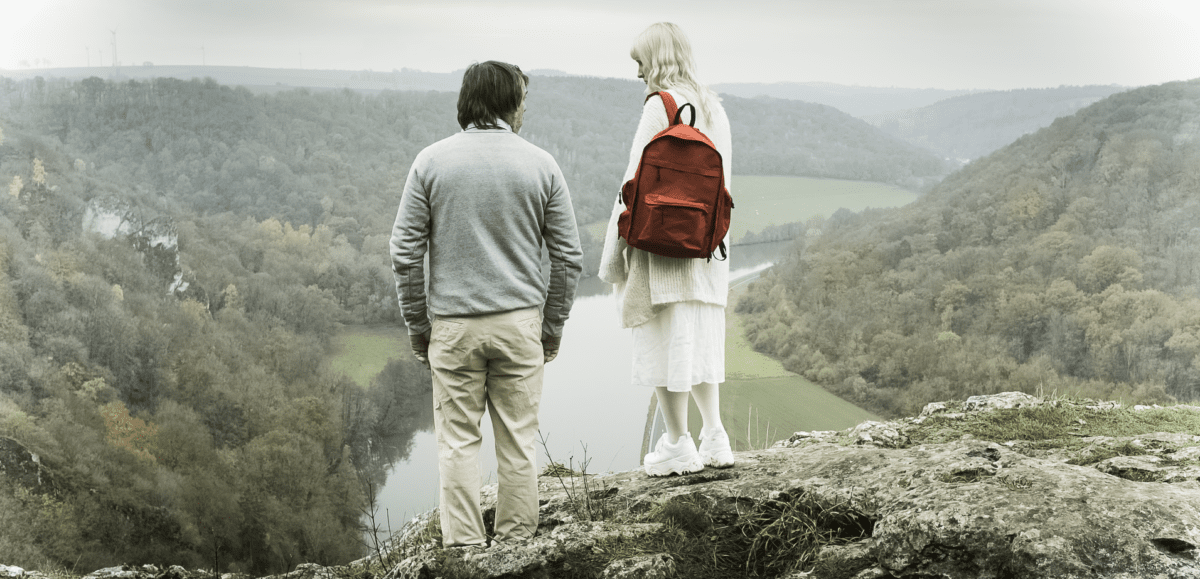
714 448
678 458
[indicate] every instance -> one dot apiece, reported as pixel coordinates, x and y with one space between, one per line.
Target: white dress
683 345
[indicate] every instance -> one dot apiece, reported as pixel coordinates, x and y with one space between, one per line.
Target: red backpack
677 205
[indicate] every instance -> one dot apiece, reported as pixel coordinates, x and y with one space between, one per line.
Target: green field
762 201
361 352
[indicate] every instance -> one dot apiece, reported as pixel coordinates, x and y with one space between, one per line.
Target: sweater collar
504 126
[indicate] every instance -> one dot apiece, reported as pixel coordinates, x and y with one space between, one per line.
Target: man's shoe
678 458
714 448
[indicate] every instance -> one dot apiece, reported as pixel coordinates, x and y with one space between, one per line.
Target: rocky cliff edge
1001 486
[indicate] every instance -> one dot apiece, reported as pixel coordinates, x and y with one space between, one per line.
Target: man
482 204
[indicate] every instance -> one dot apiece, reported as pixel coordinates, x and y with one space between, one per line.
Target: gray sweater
482 203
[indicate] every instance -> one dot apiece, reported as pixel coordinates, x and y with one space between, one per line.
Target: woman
676 307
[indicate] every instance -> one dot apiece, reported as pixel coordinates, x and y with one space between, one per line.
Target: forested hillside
972 126
1068 261
174 259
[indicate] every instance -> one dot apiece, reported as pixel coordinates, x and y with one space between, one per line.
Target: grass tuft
589 502
1138 475
1098 455
771 538
965 476
1015 482
689 514
786 535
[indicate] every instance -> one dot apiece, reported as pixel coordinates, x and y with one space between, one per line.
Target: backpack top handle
679 112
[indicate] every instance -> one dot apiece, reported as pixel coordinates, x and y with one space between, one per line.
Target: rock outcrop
1004 486
25 468
918 497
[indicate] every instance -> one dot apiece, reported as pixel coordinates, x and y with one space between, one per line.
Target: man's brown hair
490 90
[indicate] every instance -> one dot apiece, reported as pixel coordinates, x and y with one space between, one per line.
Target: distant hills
956 126
953 124
970 126
586 122
855 100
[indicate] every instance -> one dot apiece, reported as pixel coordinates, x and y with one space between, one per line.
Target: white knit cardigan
646 283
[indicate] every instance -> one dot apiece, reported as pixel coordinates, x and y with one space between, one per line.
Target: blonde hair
666 57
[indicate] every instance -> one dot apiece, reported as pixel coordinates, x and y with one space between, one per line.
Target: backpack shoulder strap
669 103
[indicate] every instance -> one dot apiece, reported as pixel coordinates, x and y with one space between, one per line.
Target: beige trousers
497 360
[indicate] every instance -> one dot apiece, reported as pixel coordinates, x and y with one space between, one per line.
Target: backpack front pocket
680 223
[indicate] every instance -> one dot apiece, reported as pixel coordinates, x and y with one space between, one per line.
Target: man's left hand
420 346
550 346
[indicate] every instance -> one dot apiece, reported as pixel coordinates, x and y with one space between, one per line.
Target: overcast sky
951 44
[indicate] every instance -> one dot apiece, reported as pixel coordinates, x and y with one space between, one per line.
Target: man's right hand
550 346
420 346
